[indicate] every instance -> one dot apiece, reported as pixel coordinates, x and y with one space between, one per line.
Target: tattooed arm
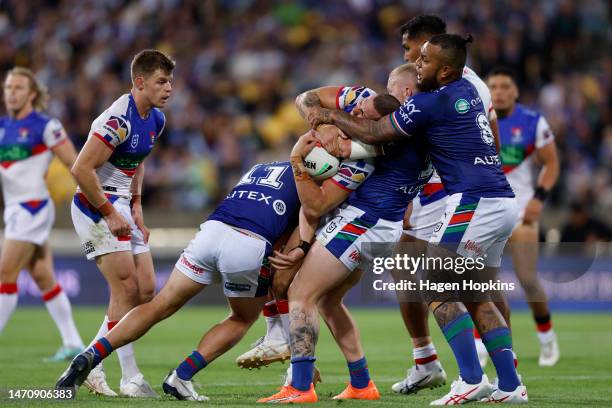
364 130
324 97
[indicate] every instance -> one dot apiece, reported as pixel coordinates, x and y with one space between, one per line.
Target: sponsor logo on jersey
333 224
152 135
134 142
352 173
485 129
355 256
279 207
407 109
116 127
490 160
350 97
23 134
462 106
250 195
471 246
517 135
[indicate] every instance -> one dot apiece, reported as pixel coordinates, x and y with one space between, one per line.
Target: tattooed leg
486 316
447 312
304 325
320 273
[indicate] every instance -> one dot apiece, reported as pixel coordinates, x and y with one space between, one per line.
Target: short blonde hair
40 100
409 67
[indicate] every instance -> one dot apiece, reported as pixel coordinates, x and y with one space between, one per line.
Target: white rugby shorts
96 238
30 221
234 257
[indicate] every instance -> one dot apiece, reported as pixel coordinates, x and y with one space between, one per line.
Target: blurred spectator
583 227
240 64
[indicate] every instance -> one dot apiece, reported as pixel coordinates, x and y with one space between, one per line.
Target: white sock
283 312
285 325
8 303
545 337
274 328
127 360
101 332
58 305
425 355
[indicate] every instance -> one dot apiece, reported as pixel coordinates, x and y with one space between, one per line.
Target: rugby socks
274 326
499 345
360 375
8 302
58 306
460 336
101 349
283 311
127 360
190 366
101 332
544 327
424 355
302 372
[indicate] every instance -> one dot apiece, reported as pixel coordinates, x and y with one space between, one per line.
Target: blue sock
499 344
101 349
190 366
360 375
302 371
460 336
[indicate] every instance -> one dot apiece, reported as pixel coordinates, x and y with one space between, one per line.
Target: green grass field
583 377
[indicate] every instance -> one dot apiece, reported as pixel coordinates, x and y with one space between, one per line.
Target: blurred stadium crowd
240 63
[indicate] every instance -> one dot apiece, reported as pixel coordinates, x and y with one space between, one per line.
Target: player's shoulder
41 117
121 106
159 117
348 96
470 75
528 112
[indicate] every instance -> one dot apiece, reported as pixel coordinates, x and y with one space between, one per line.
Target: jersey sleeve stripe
338 98
396 125
59 143
106 142
345 188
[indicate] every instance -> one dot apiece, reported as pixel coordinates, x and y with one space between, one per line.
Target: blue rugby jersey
264 201
453 121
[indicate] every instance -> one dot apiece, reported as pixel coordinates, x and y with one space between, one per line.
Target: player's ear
139 82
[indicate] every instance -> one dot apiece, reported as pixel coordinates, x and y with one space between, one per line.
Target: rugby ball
320 164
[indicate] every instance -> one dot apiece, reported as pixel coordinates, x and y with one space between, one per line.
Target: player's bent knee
146 295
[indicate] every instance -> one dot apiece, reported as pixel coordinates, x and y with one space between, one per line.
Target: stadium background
240 64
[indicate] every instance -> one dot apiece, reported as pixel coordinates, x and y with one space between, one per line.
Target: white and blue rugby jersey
521 134
130 137
25 156
454 122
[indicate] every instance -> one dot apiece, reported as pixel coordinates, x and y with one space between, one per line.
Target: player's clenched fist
117 224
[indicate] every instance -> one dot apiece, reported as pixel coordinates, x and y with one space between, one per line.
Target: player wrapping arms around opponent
107 211
372 213
274 346
527 141
28 141
481 208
